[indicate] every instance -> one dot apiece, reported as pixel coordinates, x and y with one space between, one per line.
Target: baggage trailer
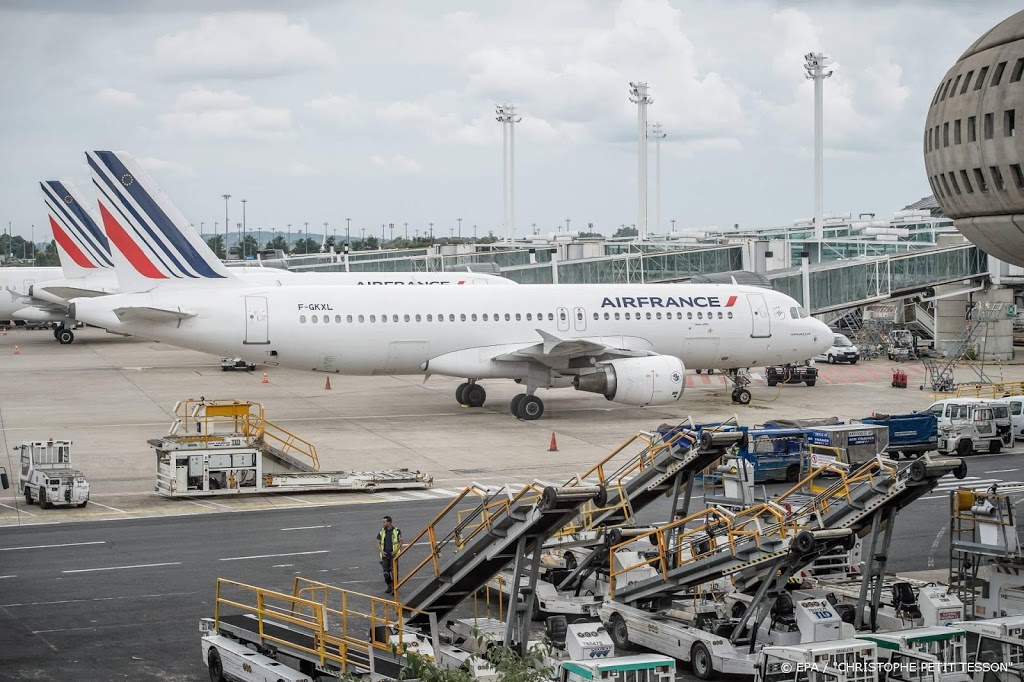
46 475
909 434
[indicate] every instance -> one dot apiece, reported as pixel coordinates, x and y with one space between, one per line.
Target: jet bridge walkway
755 543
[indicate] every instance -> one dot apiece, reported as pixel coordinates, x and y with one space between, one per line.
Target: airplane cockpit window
803 313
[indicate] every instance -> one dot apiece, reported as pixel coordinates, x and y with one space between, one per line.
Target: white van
1015 404
842 350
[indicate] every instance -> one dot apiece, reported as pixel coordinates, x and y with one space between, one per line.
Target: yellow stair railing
999 390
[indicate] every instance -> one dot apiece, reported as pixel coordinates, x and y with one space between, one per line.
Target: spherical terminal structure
972 151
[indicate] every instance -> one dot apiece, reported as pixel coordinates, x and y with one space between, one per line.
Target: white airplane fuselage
458 331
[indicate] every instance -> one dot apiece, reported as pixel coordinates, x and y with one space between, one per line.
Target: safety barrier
999 390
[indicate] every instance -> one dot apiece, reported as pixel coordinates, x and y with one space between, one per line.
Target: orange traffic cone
554 444
265 379
17 351
327 386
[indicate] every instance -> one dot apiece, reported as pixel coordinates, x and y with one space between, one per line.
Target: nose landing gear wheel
741 396
65 336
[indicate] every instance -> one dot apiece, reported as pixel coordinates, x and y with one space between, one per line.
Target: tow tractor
47 477
229 364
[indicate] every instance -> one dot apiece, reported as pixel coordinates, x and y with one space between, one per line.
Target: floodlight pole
814 65
227 225
506 115
638 95
658 133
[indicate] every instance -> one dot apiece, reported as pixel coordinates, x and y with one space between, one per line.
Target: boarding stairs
758 542
977 327
208 423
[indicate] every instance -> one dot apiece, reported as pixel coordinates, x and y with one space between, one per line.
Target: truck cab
970 425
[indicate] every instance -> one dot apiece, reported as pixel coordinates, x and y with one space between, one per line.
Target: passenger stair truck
986 560
759 549
229 447
47 477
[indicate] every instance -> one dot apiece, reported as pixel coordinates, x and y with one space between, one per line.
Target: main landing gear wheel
474 395
741 396
460 393
527 407
65 336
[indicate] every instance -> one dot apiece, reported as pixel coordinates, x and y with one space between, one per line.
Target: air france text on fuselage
315 306
667 302
379 283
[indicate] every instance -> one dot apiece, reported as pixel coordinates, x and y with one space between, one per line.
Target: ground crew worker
389 542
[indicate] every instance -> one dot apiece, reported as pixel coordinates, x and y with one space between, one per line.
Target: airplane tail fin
81 244
154 242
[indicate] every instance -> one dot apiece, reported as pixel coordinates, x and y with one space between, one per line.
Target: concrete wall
997 340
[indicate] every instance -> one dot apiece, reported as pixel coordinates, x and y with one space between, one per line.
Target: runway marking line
20 511
106 506
269 556
121 568
306 527
1001 471
77 601
7 576
68 544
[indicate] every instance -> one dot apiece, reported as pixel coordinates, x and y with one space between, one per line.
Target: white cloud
299 169
153 163
396 163
241 45
202 113
116 98
340 109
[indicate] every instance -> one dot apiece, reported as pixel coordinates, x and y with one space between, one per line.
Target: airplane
630 343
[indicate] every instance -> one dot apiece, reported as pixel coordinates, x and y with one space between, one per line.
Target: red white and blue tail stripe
153 240
81 244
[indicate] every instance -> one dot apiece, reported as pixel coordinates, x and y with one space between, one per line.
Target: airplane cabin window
327 319
394 318
348 319
418 318
361 319
551 317
302 319
485 317
529 316
430 318
658 316
313 319
373 318
337 318
719 314
700 315
508 318
627 315
597 316
462 317
383 318
518 317
451 317
689 316
406 318
648 316
473 317
607 316
730 314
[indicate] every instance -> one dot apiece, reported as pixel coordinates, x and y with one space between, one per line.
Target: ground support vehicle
902 345
228 447
640 667
791 374
1015 405
46 475
995 648
839 661
979 434
230 364
930 654
909 434
986 561
842 350
902 603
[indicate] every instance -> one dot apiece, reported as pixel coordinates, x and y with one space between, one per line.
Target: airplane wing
554 350
148 314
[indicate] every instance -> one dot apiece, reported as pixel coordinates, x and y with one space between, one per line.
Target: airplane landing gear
527 407
471 394
740 380
63 335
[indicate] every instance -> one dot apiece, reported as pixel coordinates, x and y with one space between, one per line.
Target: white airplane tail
81 244
154 242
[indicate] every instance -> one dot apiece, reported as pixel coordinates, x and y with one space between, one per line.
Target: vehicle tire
215 666
792 473
811 382
743 396
81 505
804 542
994 447
831 359
514 405
964 448
474 395
699 371
28 495
619 633
853 362
700 660
711 371
43 502
65 336
772 382
460 393
536 615
530 408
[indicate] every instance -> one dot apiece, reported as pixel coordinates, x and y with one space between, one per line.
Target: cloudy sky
383 112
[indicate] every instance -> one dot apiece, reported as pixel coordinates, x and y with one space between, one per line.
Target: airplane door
256 326
579 317
761 323
563 319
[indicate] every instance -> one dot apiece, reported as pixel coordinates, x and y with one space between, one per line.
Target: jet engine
656 380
